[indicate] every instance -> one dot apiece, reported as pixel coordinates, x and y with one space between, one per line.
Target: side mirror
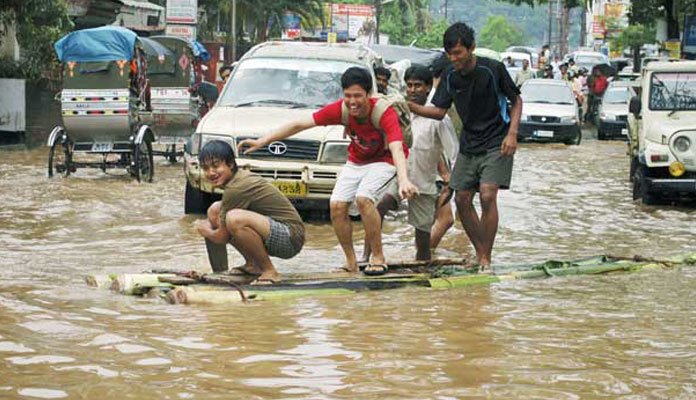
634 106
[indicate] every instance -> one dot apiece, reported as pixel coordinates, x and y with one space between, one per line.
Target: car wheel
576 141
632 169
640 186
600 135
196 201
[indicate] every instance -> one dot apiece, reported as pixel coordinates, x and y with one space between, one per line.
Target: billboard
182 31
689 37
182 12
349 19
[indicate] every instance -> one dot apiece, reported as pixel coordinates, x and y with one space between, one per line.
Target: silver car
550 112
613 112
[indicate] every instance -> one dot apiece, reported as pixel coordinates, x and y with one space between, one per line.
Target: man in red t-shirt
371 163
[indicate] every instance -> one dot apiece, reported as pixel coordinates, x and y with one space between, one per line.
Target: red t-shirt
366 142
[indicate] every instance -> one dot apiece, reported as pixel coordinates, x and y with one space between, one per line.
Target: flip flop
376 269
240 271
264 282
341 270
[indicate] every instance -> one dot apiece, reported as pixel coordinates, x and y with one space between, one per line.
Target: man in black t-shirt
481 89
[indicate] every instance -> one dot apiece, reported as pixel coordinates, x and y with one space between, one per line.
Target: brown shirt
251 192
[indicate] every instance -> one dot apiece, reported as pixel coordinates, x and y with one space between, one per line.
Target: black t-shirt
476 98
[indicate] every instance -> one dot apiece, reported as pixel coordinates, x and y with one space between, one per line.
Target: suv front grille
295 149
276 174
622 118
544 119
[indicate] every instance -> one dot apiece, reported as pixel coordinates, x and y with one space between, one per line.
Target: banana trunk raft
192 287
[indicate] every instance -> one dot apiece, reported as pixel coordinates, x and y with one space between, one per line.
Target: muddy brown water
618 336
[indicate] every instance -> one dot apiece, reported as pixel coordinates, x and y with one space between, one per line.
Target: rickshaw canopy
154 48
106 43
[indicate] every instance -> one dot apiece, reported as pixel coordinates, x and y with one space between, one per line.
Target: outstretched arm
427 111
406 188
283 132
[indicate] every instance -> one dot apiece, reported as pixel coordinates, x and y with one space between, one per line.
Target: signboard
182 12
689 38
674 48
291 26
182 31
350 18
598 28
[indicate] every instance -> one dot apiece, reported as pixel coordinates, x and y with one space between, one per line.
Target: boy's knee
464 199
214 211
235 219
364 204
338 209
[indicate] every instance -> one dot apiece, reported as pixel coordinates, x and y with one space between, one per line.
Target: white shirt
431 139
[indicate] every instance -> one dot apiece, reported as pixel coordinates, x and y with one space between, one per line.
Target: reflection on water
560 338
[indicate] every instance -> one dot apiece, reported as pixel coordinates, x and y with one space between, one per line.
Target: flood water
628 336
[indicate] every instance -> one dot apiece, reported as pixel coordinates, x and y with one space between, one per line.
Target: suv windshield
616 96
547 94
307 83
581 59
673 91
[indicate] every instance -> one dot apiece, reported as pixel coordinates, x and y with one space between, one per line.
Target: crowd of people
588 88
400 149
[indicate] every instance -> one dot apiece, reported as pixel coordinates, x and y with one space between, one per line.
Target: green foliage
498 34
39 23
634 36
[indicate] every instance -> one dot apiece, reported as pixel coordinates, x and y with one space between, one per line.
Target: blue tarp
106 43
200 51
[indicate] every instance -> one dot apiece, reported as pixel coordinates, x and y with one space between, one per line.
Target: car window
586 59
281 81
547 94
673 91
616 96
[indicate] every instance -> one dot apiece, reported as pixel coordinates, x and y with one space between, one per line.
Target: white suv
275 83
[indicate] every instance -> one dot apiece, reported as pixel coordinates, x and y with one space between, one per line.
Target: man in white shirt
431 139
524 74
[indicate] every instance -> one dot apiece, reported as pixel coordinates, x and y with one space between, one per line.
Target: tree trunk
583 27
672 23
564 27
378 11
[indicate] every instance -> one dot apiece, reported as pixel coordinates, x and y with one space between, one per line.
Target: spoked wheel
144 168
60 157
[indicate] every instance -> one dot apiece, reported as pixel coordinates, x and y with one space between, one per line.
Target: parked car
275 83
550 112
613 111
532 51
662 139
588 59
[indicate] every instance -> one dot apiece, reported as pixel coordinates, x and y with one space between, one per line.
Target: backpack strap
344 114
502 99
378 110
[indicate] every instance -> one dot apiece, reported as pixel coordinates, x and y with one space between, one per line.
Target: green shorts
471 170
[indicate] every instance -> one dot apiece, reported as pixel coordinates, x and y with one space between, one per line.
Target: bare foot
346 269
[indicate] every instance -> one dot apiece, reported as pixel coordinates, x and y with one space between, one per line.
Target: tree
498 34
39 23
634 37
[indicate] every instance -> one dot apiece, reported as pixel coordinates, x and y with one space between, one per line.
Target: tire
632 169
577 140
640 186
144 162
60 158
171 154
600 135
197 201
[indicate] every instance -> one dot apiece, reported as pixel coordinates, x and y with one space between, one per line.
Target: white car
613 112
550 112
275 83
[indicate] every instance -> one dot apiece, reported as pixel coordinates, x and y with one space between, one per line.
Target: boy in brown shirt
253 216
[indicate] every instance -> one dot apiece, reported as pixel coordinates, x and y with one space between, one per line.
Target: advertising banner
183 31
349 19
182 12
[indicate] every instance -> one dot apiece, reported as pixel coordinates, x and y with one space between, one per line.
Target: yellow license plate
291 188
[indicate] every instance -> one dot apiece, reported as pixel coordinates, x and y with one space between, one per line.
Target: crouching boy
253 216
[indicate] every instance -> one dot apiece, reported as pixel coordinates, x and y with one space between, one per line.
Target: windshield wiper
295 104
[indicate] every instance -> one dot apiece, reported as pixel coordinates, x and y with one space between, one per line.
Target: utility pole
378 11
446 7
234 30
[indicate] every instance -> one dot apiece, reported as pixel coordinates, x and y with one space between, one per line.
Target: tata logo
543 119
277 148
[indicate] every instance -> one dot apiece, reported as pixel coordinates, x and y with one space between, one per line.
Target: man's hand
204 227
407 189
252 144
509 145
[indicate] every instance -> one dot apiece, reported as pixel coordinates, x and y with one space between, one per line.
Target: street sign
182 12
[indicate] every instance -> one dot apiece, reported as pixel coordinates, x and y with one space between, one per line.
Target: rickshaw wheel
144 162
171 154
59 158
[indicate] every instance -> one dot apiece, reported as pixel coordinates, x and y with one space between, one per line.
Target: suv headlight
607 116
205 138
335 153
524 117
682 144
570 118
